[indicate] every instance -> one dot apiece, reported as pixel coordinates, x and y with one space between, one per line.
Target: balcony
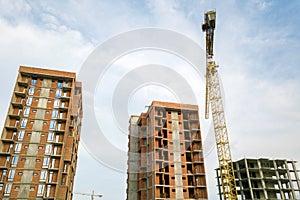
67 87
21 93
61 119
57 143
63 108
64 97
59 130
7 153
23 82
4 165
18 104
14 115
11 127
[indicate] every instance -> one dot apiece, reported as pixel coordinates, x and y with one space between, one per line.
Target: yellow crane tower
214 101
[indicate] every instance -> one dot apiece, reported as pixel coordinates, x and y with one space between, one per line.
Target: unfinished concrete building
165 158
39 142
265 179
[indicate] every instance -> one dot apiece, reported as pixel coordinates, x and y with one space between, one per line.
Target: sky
257 45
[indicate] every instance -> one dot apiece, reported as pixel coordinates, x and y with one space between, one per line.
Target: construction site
166 160
166 157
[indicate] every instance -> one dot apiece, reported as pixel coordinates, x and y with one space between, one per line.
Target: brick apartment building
165 157
39 142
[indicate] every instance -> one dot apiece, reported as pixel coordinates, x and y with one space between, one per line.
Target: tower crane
213 100
93 195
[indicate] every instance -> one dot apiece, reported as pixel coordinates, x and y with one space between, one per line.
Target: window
20 173
46 162
60 84
52 125
14 161
7 189
55 150
26 147
59 126
18 147
1 186
50 177
53 163
40 190
33 81
21 135
31 189
24 123
50 137
43 175
58 93
48 149
26 112
56 103
29 101
54 114
38 160
48 190
31 91
23 159
11 174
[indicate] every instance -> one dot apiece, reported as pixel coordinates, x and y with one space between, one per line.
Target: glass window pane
14 161
11 174
56 103
54 114
33 81
18 147
46 162
7 189
40 191
58 93
21 135
29 101
48 149
31 91
59 84
52 125
43 175
26 112
24 123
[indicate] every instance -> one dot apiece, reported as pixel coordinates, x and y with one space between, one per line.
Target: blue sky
257 47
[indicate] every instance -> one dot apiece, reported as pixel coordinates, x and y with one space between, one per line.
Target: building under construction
39 142
165 157
265 179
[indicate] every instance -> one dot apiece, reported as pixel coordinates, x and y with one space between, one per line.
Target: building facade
265 179
165 157
39 142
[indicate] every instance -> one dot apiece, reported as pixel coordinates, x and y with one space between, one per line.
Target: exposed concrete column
248 177
34 141
262 181
292 194
297 176
177 156
279 182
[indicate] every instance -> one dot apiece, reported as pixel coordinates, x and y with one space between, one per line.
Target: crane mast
213 101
